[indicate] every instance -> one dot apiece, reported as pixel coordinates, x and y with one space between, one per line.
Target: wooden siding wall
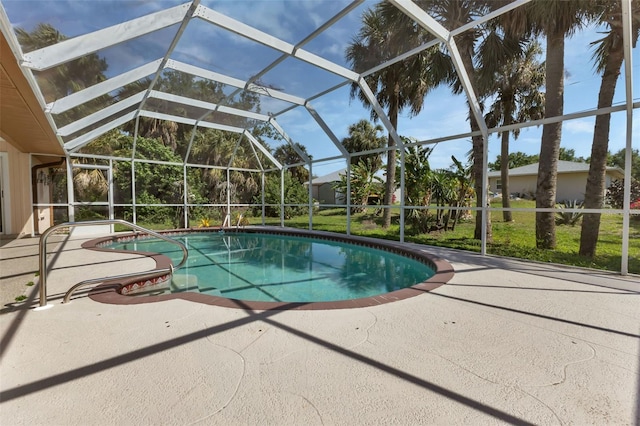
19 198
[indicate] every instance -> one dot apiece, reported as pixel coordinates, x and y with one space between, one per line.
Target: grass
511 239
148 225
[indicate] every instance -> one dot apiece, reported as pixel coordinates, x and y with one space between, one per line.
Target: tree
465 187
515 159
618 160
417 185
608 55
294 193
215 147
565 154
385 33
63 80
482 51
443 191
363 183
286 154
555 20
517 84
363 136
615 193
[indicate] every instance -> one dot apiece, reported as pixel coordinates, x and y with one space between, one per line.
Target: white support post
485 195
114 83
290 141
3 220
402 215
325 128
310 197
262 149
263 206
110 194
348 195
80 141
70 193
477 113
133 188
229 81
100 115
76 47
228 216
366 90
628 74
282 171
190 145
185 197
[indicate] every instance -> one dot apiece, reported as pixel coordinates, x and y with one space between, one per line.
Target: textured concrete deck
503 342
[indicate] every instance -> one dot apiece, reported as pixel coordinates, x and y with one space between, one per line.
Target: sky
208 46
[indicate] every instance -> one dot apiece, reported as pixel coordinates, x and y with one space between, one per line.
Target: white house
322 188
572 180
323 192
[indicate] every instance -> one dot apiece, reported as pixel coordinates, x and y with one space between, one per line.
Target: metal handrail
43 256
154 273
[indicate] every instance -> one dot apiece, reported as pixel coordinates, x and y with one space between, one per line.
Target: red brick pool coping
111 292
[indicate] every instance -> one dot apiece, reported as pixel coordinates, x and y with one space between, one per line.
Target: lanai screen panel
295 61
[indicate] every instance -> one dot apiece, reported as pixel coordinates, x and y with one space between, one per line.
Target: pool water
276 268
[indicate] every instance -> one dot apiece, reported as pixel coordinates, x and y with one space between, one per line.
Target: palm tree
444 190
482 51
417 172
418 188
363 136
556 20
519 99
364 182
286 154
463 175
403 84
68 78
608 56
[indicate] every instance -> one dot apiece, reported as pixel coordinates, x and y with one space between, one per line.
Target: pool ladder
227 219
147 274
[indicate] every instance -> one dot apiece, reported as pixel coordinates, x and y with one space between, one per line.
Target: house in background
572 180
323 192
24 129
322 188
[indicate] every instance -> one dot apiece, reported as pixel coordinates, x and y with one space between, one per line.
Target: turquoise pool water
278 268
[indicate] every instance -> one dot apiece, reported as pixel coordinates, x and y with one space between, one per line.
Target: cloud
579 126
290 21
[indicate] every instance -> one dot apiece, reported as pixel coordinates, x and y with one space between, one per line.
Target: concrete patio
504 341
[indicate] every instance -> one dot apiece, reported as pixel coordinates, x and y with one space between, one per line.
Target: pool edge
109 292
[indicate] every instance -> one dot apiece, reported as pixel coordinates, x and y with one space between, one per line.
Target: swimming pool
279 268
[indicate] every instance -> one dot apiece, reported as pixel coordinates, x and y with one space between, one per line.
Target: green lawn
514 239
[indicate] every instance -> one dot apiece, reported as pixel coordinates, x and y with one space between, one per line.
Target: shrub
615 193
569 218
294 193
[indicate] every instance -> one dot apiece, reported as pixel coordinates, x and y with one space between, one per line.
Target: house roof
563 167
24 123
331 177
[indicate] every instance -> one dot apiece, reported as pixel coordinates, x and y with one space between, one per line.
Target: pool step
183 282
187 282
208 288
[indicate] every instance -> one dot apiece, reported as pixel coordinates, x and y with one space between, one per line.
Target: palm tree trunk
477 172
504 168
594 192
550 144
477 143
390 184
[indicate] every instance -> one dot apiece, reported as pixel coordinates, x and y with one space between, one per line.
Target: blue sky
207 46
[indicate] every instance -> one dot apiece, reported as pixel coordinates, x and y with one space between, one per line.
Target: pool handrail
43 256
